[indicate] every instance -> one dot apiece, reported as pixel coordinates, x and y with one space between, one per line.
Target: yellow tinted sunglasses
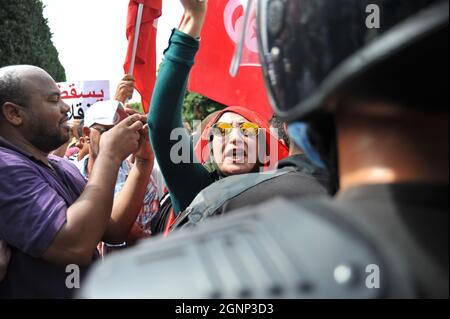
222 129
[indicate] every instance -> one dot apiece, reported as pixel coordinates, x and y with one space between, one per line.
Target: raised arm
127 204
184 180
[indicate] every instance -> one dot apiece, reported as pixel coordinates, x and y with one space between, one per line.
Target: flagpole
136 37
236 62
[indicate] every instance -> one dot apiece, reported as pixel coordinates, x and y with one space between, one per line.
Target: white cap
104 113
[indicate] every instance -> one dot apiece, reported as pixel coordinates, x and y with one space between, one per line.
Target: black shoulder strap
396 277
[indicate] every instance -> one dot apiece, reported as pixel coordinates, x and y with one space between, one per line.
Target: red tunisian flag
145 64
210 75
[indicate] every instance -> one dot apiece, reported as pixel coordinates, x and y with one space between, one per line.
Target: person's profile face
46 120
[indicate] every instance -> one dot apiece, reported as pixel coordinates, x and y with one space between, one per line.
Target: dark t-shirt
307 180
412 221
34 199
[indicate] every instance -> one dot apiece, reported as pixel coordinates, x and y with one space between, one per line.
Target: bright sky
90 36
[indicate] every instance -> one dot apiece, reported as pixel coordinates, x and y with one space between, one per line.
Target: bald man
51 219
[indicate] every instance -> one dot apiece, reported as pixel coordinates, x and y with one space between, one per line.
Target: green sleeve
184 180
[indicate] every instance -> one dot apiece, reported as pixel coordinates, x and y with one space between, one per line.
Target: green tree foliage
25 37
137 106
197 107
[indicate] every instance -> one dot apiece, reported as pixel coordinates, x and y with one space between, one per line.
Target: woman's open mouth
236 155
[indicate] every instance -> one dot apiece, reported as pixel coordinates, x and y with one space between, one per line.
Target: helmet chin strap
298 131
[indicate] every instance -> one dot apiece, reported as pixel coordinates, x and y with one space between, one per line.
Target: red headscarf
271 160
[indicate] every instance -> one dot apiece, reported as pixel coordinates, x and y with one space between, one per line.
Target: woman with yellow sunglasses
229 145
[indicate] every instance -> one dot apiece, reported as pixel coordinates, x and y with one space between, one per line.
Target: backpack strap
210 199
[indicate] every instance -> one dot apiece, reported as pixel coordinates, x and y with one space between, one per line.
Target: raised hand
194 16
125 88
5 256
195 8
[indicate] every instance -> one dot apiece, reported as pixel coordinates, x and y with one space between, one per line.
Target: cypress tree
25 37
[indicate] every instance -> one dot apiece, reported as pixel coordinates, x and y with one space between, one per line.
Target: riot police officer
364 85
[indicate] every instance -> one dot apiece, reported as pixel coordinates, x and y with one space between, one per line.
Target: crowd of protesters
72 193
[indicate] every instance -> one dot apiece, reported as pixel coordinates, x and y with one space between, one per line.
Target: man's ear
13 113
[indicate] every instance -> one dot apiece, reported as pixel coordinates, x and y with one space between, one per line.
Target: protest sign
80 95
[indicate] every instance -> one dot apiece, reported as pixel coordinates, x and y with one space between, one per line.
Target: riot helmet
314 52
